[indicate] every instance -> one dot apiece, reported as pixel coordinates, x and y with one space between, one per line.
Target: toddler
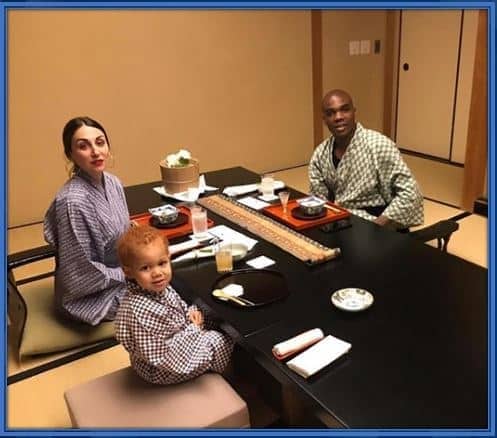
166 339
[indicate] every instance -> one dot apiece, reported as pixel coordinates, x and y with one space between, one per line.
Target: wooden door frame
317 73
475 167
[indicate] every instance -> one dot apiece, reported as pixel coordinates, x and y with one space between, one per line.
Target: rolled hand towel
318 356
297 343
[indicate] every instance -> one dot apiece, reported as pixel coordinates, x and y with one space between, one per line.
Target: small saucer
202 237
352 299
180 220
268 198
297 214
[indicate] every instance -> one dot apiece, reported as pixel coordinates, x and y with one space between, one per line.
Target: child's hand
196 317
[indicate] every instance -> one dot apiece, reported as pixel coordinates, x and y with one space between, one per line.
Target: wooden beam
317 74
391 61
476 145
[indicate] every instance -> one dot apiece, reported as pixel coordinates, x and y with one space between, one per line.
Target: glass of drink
224 258
267 185
199 221
284 196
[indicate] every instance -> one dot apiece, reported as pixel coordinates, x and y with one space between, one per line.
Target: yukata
371 174
83 224
164 346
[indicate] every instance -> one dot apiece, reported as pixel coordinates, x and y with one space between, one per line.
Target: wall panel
232 86
361 75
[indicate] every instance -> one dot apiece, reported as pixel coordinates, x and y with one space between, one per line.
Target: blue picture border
275 4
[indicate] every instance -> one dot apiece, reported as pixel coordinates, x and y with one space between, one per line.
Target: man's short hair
135 238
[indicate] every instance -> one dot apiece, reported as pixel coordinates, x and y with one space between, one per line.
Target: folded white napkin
297 343
184 246
247 188
229 235
260 262
318 356
254 203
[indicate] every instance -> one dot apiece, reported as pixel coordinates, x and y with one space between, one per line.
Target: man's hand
382 220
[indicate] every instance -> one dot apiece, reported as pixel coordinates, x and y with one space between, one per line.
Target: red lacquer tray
172 232
333 213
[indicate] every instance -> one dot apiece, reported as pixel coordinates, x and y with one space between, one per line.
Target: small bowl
165 214
238 251
311 206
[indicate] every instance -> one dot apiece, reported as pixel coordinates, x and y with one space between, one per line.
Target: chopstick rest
318 356
298 343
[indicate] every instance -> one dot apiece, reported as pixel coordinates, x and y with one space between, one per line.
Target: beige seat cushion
123 400
45 332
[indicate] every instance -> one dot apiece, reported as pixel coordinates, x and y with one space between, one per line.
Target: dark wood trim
317 74
399 48
388 94
441 202
480 207
430 157
476 144
456 87
460 216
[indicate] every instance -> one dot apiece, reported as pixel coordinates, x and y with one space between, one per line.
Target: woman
83 224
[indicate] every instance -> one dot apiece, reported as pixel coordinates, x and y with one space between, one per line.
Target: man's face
339 116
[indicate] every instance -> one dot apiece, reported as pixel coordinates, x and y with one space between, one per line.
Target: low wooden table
419 353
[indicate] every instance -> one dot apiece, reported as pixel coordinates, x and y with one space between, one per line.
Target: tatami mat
27 237
30 363
38 402
470 242
438 181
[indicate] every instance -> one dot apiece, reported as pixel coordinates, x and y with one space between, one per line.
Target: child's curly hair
135 237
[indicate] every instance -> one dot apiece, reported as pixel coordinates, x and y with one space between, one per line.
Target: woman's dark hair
72 126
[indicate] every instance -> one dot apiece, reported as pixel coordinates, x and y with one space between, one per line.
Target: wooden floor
37 402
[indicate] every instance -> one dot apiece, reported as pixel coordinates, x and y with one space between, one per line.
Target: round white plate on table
352 299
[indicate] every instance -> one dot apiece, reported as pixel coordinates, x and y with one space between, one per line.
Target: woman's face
90 150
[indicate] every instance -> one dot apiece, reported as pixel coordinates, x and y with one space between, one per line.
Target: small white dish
311 205
238 251
202 237
165 214
352 299
268 198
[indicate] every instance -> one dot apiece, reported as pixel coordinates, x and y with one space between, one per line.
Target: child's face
151 267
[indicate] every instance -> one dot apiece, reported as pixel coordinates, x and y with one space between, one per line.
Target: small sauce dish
311 206
165 214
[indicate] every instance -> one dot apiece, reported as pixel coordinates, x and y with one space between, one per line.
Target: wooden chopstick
329 207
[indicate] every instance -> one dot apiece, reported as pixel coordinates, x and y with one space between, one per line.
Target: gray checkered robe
83 224
370 173
164 346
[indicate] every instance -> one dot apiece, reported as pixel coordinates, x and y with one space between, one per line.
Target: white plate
352 299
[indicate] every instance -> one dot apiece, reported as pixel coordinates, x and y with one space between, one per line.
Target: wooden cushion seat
123 400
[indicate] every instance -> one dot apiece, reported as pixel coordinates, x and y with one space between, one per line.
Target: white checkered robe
164 346
370 173
83 224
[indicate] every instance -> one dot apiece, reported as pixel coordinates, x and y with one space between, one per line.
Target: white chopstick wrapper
248 188
318 356
297 343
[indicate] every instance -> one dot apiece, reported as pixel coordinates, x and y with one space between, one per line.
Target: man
362 170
